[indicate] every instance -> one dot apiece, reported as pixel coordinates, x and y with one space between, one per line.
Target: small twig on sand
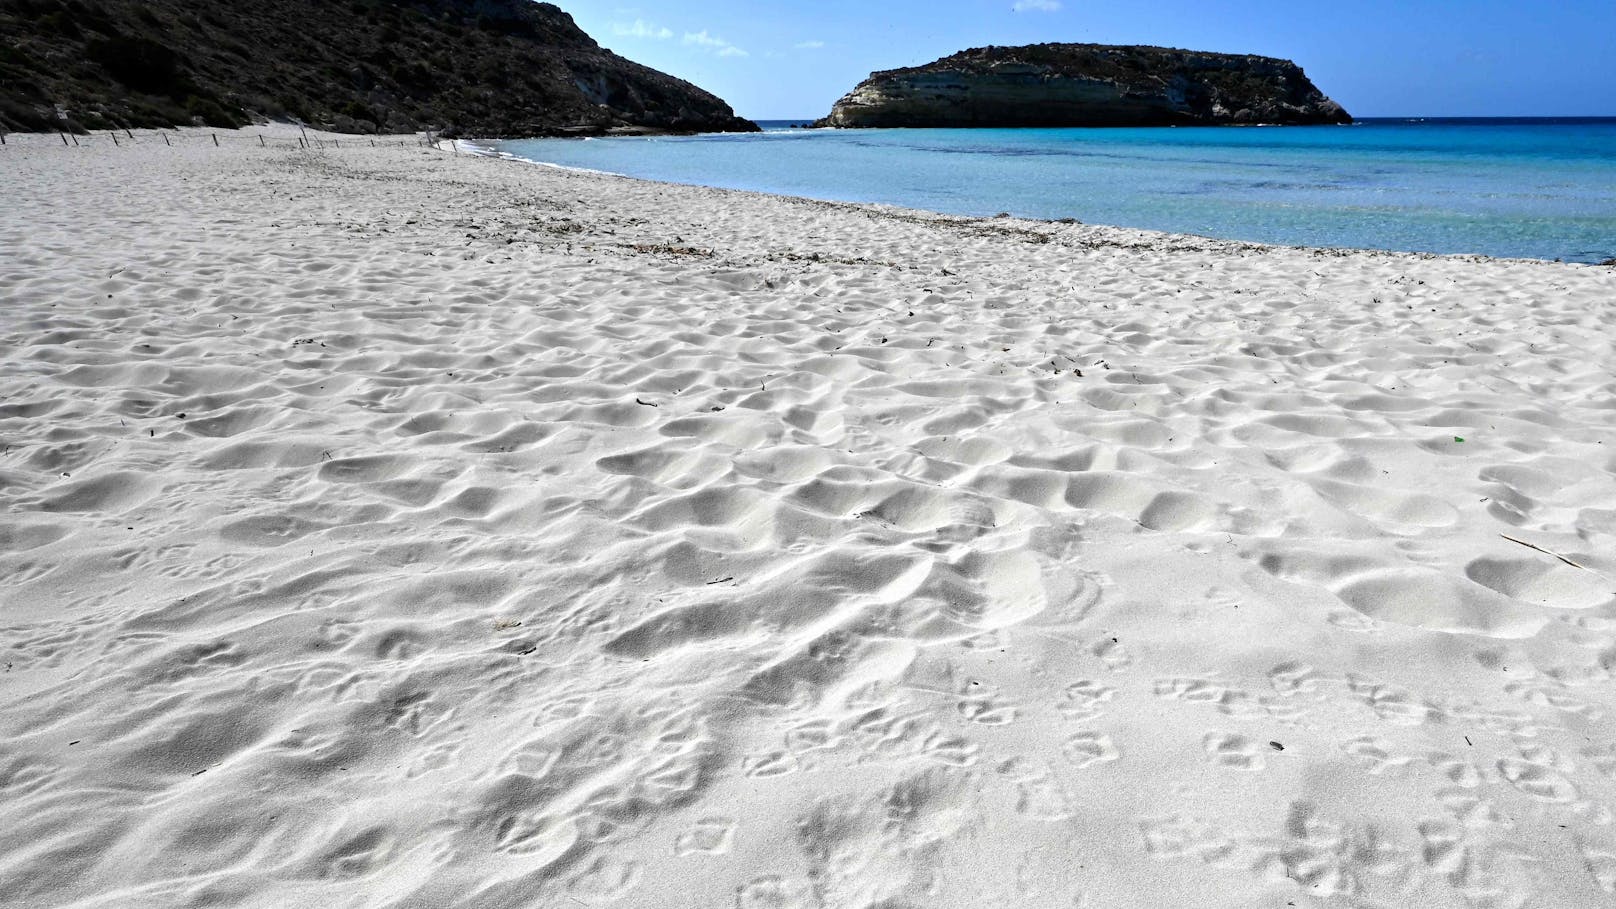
1546 552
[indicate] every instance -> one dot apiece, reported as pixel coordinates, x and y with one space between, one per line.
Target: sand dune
389 527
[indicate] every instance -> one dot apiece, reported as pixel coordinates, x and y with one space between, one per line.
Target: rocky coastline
1052 85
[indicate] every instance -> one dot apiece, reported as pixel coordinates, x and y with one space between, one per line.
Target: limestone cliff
1087 85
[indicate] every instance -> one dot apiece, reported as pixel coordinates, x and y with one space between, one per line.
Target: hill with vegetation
477 67
1087 85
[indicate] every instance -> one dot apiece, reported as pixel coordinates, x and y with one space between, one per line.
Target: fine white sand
386 527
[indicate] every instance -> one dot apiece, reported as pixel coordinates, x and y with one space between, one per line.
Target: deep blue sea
1534 188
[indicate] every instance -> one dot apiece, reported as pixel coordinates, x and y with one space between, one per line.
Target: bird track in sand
1143 565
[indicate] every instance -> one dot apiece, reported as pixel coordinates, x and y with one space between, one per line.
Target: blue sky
780 60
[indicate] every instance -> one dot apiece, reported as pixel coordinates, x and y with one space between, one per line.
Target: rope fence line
170 138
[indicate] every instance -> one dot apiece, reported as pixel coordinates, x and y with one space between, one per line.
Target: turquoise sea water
1533 188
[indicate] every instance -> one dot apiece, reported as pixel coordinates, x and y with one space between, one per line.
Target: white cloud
705 40
714 43
810 45
641 29
1042 6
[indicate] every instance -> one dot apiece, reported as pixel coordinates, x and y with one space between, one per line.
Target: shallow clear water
1542 189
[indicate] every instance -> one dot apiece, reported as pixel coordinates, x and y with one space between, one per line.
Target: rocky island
1045 85
483 67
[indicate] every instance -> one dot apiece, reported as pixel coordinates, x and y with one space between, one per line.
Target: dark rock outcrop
480 67
1087 85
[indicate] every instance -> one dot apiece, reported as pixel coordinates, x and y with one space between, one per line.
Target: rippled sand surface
388 527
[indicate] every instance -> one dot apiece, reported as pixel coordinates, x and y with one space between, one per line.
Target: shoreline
483 148
388 526
1336 204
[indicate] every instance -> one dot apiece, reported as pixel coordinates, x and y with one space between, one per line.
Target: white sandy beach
388 527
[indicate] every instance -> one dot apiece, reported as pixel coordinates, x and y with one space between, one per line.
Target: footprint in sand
1457 770
1234 751
1086 749
708 836
988 711
1293 678
1083 700
1391 703
952 750
773 763
1538 773
1113 653
811 736
537 837
775 892
605 880
1038 796
1375 755
1349 620
1184 837
359 855
1600 861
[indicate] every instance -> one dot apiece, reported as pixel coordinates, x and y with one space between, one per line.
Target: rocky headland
482 67
1087 85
